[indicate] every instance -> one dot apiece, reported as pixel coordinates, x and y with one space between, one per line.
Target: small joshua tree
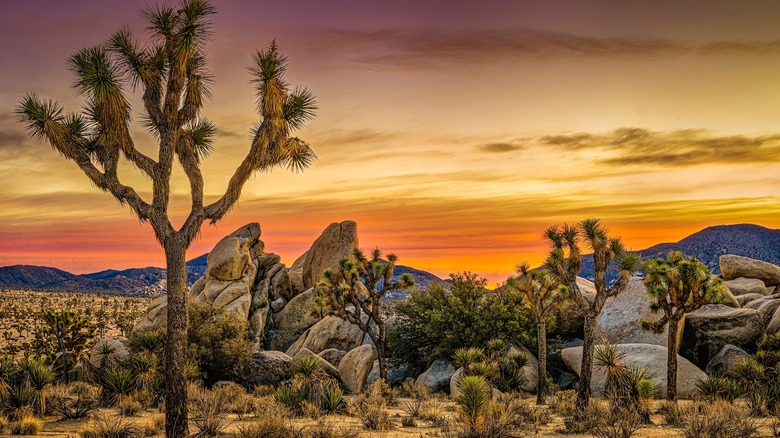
565 262
71 331
356 289
677 286
542 294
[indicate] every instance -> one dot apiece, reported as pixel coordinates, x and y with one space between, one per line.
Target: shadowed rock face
710 328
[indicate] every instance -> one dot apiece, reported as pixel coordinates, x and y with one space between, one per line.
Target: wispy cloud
688 147
500 147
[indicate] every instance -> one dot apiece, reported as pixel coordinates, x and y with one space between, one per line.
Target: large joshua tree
355 291
565 262
542 294
677 286
170 68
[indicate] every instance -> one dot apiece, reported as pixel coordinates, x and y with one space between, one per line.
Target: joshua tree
356 288
564 263
542 295
170 68
677 286
71 331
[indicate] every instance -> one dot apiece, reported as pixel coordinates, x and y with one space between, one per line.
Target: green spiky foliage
473 400
7 371
70 332
677 286
145 367
169 69
355 290
542 294
115 383
504 370
564 263
626 386
39 376
306 365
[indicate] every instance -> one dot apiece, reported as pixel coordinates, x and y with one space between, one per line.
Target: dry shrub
718 420
620 423
563 402
73 401
112 428
411 407
328 430
432 410
410 388
271 422
408 421
26 425
371 408
208 410
128 406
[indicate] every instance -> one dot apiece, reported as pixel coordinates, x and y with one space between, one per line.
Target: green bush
435 322
218 344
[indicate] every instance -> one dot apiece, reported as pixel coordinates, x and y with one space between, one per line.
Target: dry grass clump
605 422
717 420
208 410
25 425
328 430
129 406
271 422
112 428
371 408
74 401
563 402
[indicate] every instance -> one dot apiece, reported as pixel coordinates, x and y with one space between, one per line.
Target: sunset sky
453 132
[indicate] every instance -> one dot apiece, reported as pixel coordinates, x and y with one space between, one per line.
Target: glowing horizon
453 133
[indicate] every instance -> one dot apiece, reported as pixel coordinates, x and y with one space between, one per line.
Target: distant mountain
29 276
709 244
421 280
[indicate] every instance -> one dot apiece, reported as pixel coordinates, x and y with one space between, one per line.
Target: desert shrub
371 408
503 417
474 396
411 407
333 400
111 428
116 382
291 395
563 402
411 388
435 322
238 401
218 343
271 422
20 400
209 409
628 388
620 423
718 420
39 376
26 425
306 365
752 376
145 368
712 388
672 412
148 340
128 406
432 410
322 429
74 401
504 372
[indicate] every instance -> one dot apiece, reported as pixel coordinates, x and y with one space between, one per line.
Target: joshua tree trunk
671 363
541 380
380 342
64 352
176 348
586 370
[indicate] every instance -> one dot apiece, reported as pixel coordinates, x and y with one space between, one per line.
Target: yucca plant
494 348
149 340
306 365
332 399
116 383
39 375
7 370
473 400
107 354
20 399
711 387
290 396
145 369
463 357
751 375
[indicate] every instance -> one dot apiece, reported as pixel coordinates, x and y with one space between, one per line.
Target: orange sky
453 133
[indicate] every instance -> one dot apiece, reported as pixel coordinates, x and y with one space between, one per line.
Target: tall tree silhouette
170 69
565 262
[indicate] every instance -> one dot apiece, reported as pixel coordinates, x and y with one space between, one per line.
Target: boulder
569 318
725 360
774 324
437 377
530 370
743 286
455 383
155 317
325 366
734 266
744 299
765 307
565 380
654 357
330 332
268 368
116 351
338 241
356 366
278 304
619 322
229 258
333 356
708 329
296 274
395 374
291 322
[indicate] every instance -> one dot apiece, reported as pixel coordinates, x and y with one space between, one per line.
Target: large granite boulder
338 241
726 359
743 286
229 258
774 324
734 266
155 317
268 368
530 370
330 332
654 357
619 322
569 318
395 374
355 367
765 307
437 377
332 355
294 319
708 329
744 299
